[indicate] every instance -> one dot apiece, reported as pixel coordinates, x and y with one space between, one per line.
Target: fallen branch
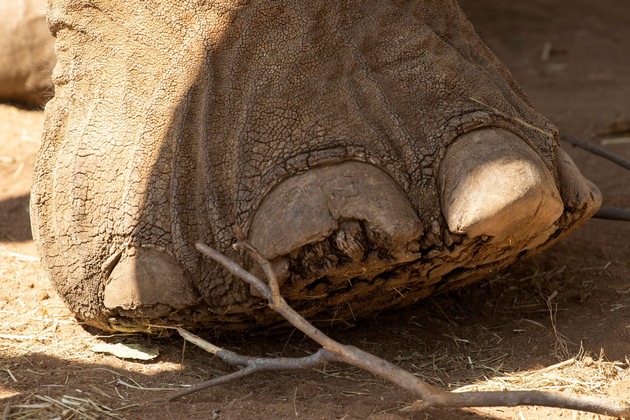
332 351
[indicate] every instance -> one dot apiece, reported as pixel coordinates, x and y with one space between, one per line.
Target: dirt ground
558 321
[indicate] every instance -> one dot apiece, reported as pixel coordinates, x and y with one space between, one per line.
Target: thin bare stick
334 351
595 150
212 382
608 213
613 213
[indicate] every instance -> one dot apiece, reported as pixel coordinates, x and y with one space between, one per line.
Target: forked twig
250 364
333 351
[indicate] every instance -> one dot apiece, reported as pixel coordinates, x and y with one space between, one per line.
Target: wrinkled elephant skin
375 152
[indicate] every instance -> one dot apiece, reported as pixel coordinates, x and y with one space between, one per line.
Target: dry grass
35 320
67 407
580 375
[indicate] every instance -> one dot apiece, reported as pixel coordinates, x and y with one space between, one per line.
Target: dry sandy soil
559 321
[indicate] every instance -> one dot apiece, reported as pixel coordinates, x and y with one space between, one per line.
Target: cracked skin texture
173 121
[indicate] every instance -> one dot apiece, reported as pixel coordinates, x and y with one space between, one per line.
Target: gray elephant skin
376 152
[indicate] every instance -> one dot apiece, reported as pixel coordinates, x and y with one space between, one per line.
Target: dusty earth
558 321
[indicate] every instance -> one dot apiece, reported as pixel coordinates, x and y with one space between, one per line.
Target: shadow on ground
15 223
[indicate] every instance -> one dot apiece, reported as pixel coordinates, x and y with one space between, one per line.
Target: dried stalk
332 351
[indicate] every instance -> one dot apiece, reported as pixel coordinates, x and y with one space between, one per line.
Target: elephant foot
147 284
350 223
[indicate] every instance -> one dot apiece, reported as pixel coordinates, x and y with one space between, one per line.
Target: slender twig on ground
608 213
613 213
333 351
596 150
